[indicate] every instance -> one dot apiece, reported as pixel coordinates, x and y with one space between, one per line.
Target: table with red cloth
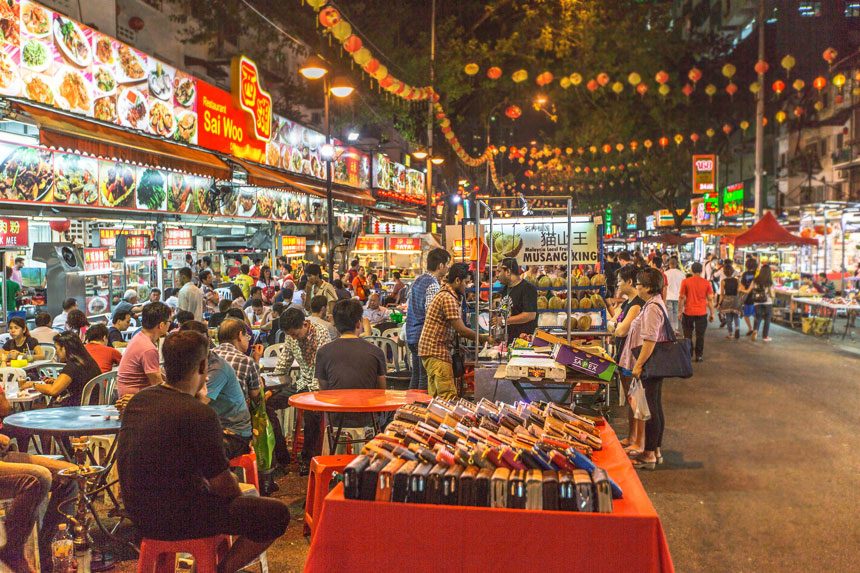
377 536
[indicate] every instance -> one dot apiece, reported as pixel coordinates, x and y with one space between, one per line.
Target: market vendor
825 286
519 296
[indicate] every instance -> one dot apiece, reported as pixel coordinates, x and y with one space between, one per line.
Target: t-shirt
44 334
190 298
245 283
216 319
59 322
139 359
105 356
227 398
674 278
746 280
359 285
625 308
123 306
523 298
29 343
437 336
115 335
695 290
12 289
332 331
168 444
80 372
349 363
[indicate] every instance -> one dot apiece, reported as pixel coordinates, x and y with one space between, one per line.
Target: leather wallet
434 484
566 495
499 487
550 489
400 485
370 479
517 490
482 487
583 489
534 489
450 485
602 491
385 480
466 487
418 484
352 477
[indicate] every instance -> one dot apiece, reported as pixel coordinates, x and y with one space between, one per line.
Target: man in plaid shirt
304 338
442 322
235 341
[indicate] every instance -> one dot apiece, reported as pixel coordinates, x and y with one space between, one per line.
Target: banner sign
733 199
410 244
14 232
370 244
97 259
540 241
712 202
291 245
249 92
391 176
178 239
107 237
704 174
137 246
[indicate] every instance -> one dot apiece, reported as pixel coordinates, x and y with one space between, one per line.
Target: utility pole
759 115
429 214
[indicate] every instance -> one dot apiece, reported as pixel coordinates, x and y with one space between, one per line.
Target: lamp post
315 69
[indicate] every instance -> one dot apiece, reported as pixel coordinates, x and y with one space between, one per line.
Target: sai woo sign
14 232
704 174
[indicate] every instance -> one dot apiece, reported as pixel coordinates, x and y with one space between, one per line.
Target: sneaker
767 339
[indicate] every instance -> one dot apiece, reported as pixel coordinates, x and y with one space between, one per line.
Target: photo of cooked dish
73 91
205 203
273 154
39 90
97 305
229 201
104 51
152 190
161 81
247 204
180 193
131 66
26 174
9 26
105 109
10 82
265 203
75 179
72 42
36 19
104 80
35 55
184 91
161 120
132 110
117 182
186 127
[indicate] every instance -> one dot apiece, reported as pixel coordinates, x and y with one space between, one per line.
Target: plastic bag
637 400
264 435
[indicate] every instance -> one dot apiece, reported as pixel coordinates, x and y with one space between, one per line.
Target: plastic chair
11 376
273 350
321 470
224 293
160 556
248 463
103 384
50 351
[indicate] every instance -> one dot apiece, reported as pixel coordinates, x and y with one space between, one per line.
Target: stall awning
769 232
262 176
59 130
360 197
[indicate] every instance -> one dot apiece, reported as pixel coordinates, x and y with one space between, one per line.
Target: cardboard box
590 360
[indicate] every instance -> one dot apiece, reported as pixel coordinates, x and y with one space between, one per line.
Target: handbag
670 359
759 295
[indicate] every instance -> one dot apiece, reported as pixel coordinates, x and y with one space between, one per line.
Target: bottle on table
63 551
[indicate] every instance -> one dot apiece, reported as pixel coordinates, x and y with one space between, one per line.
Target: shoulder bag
759 294
670 359
458 358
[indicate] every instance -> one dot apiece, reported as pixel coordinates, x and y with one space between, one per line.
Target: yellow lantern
798 84
568 150
520 76
745 125
819 105
679 139
593 149
710 132
575 78
647 143
839 81
664 89
471 69
341 31
317 4
787 63
634 79
729 70
755 87
856 91
564 83
503 148
362 56
711 90
780 116
619 147
618 87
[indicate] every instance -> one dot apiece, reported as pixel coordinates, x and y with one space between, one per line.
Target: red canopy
768 231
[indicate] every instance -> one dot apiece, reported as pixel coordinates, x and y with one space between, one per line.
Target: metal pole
569 265
328 190
759 116
477 281
429 179
3 287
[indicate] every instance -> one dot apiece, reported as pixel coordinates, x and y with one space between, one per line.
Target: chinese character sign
252 97
97 259
292 245
704 174
546 241
13 232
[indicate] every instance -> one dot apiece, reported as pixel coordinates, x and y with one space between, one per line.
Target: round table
354 401
67 421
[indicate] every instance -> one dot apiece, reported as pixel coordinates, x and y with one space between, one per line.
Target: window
852 9
809 9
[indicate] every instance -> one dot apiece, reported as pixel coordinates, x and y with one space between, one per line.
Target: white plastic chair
10 377
50 351
4 337
224 293
104 384
273 350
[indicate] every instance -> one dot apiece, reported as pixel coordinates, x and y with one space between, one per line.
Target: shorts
749 310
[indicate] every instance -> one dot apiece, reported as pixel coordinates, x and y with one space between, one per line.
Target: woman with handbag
648 329
729 300
762 297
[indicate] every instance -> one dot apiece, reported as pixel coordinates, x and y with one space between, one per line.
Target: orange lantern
634 145
727 129
687 90
695 75
642 88
761 67
607 148
352 44
661 77
647 143
694 137
602 79
829 55
592 85
494 72
544 78
731 89
619 147
329 16
798 111
663 141
819 83
778 86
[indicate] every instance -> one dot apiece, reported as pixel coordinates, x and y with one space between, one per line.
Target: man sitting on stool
175 479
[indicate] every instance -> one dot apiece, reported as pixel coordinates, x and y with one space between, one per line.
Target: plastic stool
248 463
321 470
160 556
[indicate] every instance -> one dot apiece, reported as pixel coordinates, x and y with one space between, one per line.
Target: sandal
633 453
641 464
625 443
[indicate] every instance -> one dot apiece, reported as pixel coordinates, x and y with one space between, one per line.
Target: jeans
763 312
655 425
419 374
13 467
699 324
733 320
672 309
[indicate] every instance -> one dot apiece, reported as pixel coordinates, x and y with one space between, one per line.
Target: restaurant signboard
291 245
370 244
97 259
704 174
14 232
175 238
542 240
404 244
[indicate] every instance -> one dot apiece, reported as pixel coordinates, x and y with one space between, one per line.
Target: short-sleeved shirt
521 298
139 359
123 306
247 371
114 336
44 334
80 372
695 291
674 278
29 343
304 352
350 363
226 397
105 356
332 331
325 289
190 298
244 282
169 444
649 325
12 289
416 305
377 316
359 285
437 337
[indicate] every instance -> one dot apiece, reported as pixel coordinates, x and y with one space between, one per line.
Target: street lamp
420 155
340 87
437 160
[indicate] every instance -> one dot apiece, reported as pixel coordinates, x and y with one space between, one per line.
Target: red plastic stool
248 463
321 470
160 556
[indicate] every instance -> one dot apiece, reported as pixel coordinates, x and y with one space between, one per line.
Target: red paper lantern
798 111
513 111
642 88
829 55
60 226
819 83
731 89
761 67
687 90
607 148
544 78
602 79
494 73
136 23
694 137
778 86
727 129
371 66
663 141
329 17
661 77
352 44
591 85
695 75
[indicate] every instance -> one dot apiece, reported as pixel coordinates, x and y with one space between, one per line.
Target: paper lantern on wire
317 4
778 86
731 89
647 143
661 77
663 141
575 78
642 88
710 132
787 64
819 105
710 90
634 79
664 90
687 90
830 55
729 70
761 67
513 111
619 147
329 16
798 85
564 82
634 145
755 87
695 75
694 137
471 69
617 87
544 79
380 73
819 83
780 116
602 79
839 81
341 31
679 139
580 150
744 125
520 76
593 149
362 57
352 44
494 72
607 148
592 85
798 111
764 122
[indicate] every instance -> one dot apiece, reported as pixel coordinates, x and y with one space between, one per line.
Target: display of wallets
482 487
385 480
370 478
466 489
352 477
566 494
583 489
602 491
511 459
550 490
534 489
517 490
499 487
400 485
451 485
418 484
434 484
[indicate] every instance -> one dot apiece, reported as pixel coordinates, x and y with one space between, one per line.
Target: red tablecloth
369 536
